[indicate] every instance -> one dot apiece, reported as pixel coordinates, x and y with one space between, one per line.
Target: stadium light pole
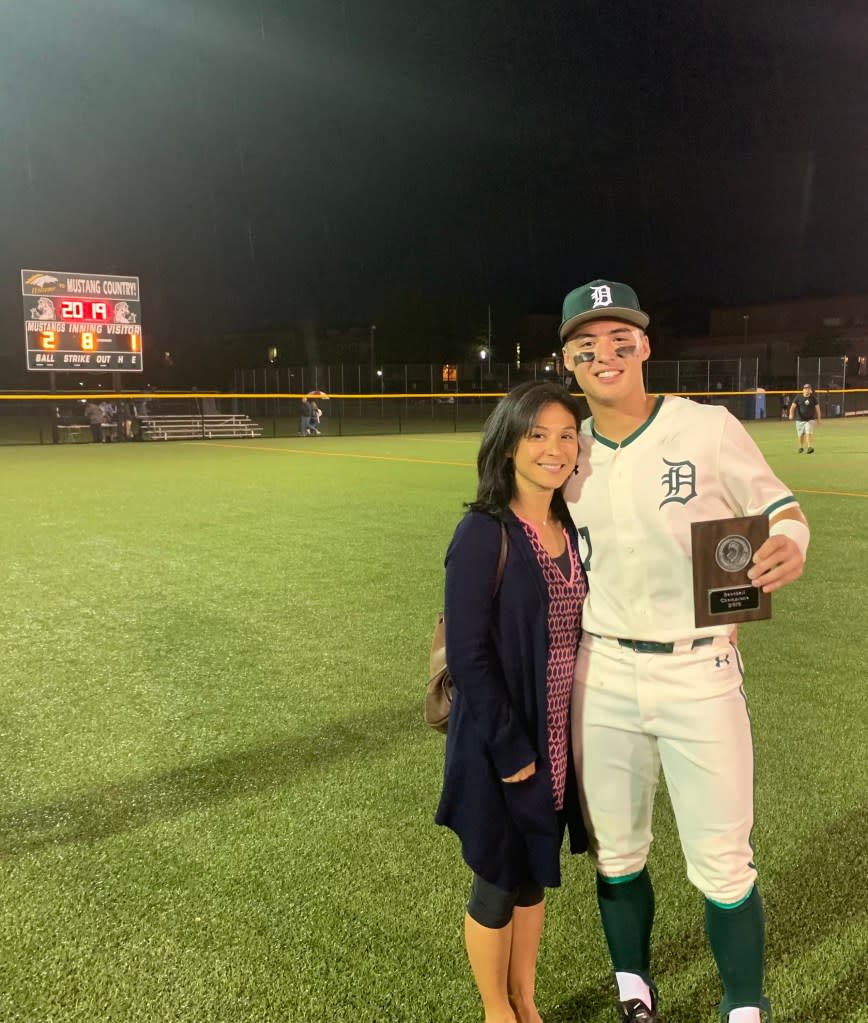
490 349
844 360
746 319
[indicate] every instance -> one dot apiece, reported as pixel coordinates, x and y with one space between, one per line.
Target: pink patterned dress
566 597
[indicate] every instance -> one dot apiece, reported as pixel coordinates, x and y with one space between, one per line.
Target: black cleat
810 451
636 1011
801 451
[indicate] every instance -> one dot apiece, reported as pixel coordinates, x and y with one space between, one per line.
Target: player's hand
523 774
777 562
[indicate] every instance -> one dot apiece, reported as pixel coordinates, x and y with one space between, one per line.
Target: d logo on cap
601 300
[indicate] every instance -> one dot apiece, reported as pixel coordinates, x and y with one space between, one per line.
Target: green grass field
217 792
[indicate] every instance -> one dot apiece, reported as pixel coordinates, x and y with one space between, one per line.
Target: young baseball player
805 409
652 689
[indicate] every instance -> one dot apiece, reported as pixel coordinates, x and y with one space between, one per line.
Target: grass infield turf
216 788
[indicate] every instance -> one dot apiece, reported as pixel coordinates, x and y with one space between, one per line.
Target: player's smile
608 374
608 369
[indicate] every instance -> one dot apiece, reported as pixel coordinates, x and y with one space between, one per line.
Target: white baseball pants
685 711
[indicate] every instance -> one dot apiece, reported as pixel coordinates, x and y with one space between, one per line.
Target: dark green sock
737 939
627 912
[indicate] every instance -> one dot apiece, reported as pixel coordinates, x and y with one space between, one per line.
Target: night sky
337 162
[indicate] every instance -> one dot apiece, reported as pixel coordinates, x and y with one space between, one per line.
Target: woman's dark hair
512 419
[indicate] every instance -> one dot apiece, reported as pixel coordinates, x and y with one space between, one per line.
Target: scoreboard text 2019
82 322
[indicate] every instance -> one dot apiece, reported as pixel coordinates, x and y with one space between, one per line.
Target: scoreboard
82 322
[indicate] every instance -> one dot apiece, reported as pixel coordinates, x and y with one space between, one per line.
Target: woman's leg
489 950
527 928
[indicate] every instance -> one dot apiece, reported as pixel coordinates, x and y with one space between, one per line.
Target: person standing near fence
304 418
508 785
653 689
94 415
125 420
315 417
805 409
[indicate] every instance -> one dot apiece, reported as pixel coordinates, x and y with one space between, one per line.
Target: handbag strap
501 561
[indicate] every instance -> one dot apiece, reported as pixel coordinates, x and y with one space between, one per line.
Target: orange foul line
347 454
433 461
829 493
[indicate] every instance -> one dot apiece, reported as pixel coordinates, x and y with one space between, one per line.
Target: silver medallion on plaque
733 553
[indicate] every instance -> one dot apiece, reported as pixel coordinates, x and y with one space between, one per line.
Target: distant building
773 334
777 333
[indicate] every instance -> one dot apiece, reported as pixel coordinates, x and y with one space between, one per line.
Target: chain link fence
827 374
403 398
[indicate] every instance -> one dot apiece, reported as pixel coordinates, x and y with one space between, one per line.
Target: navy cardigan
497 652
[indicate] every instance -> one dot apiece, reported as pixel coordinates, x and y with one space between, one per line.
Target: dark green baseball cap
601 300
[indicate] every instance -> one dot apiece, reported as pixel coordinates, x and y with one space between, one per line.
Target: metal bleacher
190 418
205 426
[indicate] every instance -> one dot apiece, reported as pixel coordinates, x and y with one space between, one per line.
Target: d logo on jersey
680 478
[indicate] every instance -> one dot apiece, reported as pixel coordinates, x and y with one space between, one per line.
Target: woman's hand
522 775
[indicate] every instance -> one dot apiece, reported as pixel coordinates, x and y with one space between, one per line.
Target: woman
509 788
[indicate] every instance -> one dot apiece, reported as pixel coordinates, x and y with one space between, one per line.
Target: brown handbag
438 691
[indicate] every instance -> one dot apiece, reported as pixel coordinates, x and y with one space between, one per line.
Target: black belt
647 646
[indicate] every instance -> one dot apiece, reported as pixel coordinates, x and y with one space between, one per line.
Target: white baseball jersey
633 504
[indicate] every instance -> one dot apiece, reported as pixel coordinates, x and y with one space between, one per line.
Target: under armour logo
601 295
680 478
720 660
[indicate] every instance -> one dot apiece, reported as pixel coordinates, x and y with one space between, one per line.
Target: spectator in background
315 416
109 420
805 409
93 414
125 420
304 419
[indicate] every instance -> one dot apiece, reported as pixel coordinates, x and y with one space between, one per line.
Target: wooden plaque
723 551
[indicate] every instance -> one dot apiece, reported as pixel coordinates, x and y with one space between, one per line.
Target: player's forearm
781 559
791 524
